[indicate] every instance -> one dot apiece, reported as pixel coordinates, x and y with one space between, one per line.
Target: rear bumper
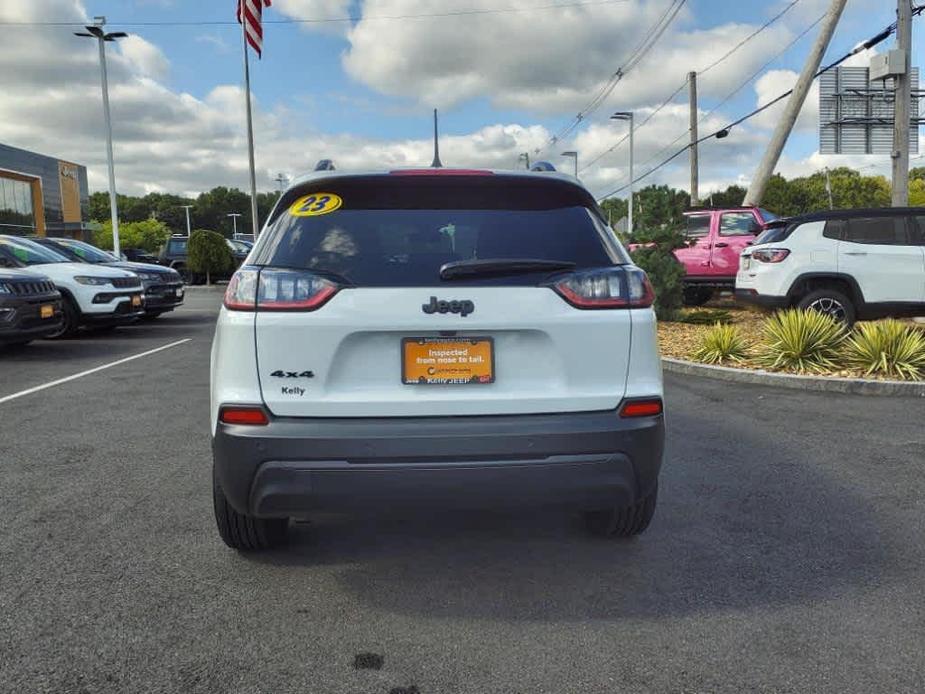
293 467
751 296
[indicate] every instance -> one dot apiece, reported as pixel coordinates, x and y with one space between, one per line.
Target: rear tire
623 521
831 302
245 533
697 296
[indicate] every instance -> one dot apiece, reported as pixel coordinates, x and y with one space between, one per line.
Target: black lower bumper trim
749 296
295 466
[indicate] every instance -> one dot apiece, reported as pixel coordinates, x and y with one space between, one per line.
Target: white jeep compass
435 337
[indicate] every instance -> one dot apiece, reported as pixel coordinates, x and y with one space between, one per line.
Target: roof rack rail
542 166
325 165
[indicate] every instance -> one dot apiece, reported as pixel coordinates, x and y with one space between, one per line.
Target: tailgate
346 359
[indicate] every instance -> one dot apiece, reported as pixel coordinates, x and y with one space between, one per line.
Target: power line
712 65
330 20
735 91
638 53
864 45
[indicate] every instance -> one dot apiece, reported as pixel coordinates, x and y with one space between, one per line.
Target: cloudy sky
358 87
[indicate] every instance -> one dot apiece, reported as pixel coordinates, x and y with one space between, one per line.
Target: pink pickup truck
717 238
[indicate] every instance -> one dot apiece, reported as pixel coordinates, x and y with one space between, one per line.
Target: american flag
253 21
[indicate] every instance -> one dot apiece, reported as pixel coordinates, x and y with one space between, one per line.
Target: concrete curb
829 384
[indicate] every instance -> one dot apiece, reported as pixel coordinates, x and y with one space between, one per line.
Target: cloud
724 159
217 42
547 60
317 10
167 140
145 58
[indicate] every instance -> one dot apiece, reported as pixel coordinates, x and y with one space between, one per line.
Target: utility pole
903 97
695 159
789 117
524 156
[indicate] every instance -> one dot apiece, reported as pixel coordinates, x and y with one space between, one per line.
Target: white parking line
58 382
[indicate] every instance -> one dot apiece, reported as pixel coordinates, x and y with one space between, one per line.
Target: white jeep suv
435 337
91 295
850 264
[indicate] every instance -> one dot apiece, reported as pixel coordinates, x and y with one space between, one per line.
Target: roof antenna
437 163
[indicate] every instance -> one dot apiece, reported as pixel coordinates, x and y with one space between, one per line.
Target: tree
149 234
658 206
615 209
208 253
211 210
731 197
660 232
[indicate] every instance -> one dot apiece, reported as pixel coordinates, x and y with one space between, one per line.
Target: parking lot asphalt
786 554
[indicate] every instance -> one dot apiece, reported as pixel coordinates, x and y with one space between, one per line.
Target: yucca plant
722 343
889 348
802 341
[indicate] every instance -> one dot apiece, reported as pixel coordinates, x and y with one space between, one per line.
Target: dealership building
42 195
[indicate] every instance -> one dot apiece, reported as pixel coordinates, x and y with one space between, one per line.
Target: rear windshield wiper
501 266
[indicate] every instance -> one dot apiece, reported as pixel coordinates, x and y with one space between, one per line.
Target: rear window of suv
391 231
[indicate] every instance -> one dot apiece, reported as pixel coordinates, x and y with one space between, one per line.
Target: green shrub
208 253
706 316
149 234
889 348
803 341
722 343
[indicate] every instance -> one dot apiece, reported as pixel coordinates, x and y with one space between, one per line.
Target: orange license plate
447 361
47 311
136 300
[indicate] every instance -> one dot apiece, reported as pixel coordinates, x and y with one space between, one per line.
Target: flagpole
250 129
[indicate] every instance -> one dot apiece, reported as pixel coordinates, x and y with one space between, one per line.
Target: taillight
642 408
616 287
241 293
271 289
243 415
770 255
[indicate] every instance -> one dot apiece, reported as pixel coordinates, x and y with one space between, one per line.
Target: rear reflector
642 408
246 416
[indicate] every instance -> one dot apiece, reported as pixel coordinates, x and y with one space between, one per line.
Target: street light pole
187 208
572 155
96 31
234 219
628 116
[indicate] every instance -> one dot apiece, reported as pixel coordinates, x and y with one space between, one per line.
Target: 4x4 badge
463 308
293 374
